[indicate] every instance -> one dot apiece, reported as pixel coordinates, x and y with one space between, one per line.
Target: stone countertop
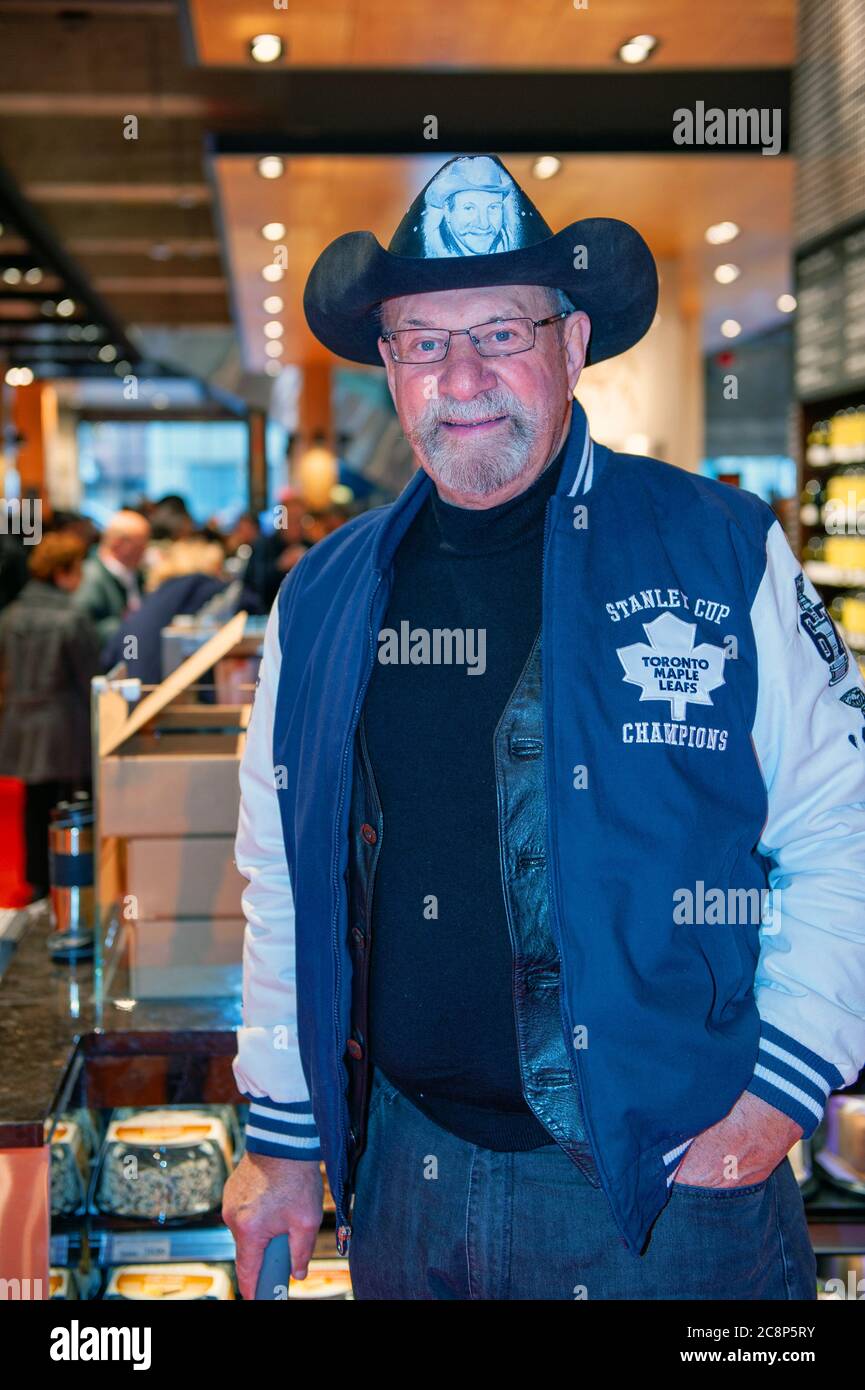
51 1013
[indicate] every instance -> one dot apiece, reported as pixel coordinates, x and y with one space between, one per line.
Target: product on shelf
800 1162
847 552
324 1279
328 1204
841 1153
170 1282
163 1164
62 1284
70 1168
841 1277
851 613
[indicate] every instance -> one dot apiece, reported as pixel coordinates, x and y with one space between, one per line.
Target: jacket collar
579 470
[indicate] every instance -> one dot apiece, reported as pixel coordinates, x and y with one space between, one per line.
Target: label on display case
830 322
142 1245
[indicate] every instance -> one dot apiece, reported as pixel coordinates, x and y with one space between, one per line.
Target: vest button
368 833
354 1049
358 938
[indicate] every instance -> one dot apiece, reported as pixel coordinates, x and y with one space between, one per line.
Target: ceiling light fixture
786 303
637 49
273 329
721 232
725 274
33 276
12 275
272 273
731 328
272 304
19 376
546 166
265 48
270 166
273 349
273 231
66 308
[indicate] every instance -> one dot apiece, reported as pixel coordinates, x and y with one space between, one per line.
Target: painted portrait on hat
470 209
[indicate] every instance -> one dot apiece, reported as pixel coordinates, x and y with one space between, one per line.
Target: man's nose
465 371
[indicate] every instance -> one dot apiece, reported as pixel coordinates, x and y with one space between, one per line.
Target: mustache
487 407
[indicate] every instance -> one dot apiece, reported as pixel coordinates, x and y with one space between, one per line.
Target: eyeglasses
501 338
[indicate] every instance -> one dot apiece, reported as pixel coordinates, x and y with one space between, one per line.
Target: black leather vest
549 1077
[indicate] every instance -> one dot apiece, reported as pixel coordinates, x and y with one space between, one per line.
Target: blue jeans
438 1218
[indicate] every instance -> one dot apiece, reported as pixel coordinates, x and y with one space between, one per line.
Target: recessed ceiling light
721 232
272 304
65 308
273 231
273 368
265 48
731 328
273 329
19 376
270 166
272 273
638 49
12 275
107 353
33 276
725 274
786 303
546 166
274 349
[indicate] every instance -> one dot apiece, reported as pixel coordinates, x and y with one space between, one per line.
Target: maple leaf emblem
670 667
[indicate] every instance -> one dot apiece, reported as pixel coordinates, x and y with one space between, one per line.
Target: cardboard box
199 958
190 876
171 768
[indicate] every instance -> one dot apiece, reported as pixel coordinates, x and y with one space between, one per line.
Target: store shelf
833 576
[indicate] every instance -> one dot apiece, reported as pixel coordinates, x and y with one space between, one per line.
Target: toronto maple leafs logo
670 667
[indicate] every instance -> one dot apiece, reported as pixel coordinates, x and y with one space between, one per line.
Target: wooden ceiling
168 237
496 33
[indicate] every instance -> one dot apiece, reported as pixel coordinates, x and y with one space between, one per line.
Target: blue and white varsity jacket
705 769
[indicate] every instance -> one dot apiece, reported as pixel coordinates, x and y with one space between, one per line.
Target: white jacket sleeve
267 1067
809 738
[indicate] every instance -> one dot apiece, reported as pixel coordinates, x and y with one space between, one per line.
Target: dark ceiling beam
525 112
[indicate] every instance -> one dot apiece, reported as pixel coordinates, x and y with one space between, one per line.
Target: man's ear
578 330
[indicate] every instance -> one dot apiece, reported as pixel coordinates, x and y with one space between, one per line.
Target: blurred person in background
49 651
111 583
187 575
245 531
274 555
170 519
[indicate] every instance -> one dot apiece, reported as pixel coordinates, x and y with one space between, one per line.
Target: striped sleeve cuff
281 1129
794 1079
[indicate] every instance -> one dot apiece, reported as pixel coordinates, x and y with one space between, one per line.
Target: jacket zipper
572 1052
343 1228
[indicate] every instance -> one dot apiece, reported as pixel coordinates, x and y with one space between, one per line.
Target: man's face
484 427
475 219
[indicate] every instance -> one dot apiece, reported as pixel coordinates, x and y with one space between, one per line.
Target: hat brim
617 286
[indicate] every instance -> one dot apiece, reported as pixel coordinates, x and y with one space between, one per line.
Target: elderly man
110 586
553 961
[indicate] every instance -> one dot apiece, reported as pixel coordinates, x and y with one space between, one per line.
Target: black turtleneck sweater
441 1022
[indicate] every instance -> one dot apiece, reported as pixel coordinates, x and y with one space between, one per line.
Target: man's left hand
749 1142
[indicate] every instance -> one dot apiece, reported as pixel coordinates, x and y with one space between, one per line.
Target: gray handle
275 1269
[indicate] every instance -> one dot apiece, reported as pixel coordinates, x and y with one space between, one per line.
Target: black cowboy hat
473 225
